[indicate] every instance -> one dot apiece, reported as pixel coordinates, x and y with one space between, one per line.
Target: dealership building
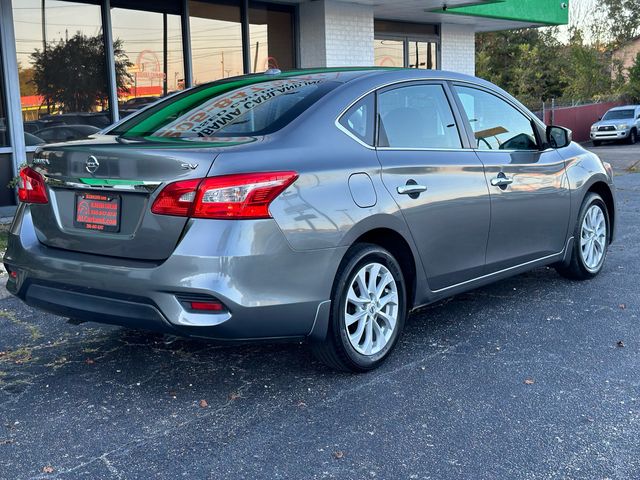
91 62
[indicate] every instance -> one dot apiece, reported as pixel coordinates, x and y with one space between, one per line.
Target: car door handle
411 189
501 181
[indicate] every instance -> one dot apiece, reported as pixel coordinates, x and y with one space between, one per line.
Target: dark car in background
30 140
66 133
138 102
99 120
314 205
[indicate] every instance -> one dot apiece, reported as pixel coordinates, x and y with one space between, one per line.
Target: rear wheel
591 240
368 311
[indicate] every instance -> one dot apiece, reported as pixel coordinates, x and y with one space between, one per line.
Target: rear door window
417 116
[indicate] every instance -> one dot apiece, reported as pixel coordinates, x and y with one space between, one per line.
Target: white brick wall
458 49
349 30
335 34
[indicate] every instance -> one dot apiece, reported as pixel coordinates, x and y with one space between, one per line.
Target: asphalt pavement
534 377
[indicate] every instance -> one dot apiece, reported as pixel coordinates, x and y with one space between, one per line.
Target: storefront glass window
271 38
152 71
389 53
61 63
216 41
422 55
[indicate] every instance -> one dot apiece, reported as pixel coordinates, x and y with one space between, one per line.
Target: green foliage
72 73
27 86
632 88
535 66
588 69
527 63
623 19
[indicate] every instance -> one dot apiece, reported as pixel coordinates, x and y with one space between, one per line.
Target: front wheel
597 143
591 240
368 310
633 137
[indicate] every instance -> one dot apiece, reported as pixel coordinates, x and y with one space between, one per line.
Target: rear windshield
618 114
229 109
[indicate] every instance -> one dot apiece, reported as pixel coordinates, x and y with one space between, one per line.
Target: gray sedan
318 205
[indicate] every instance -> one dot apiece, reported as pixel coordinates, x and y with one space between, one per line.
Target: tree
624 19
72 73
588 71
632 88
27 86
528 63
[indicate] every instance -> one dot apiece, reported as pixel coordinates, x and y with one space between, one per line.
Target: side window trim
534 124
453 106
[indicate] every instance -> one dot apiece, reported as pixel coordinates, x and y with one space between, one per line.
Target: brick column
458 48
336 34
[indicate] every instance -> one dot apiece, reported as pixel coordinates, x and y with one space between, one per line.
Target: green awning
542 12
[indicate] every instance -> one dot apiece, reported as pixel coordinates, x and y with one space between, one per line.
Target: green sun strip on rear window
150 125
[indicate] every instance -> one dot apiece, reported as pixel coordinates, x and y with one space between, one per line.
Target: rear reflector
31 187
207 306
239 196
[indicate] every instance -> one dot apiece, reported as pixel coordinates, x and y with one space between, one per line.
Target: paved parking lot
534 377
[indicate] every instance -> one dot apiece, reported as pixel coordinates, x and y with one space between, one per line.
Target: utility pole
44 43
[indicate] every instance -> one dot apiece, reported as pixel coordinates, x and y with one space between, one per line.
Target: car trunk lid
101 191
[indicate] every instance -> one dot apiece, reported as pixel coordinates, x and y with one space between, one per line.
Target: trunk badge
91 164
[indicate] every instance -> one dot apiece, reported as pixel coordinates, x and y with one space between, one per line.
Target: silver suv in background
619 123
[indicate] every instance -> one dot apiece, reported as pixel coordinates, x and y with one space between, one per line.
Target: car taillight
243 196
31 187
176 198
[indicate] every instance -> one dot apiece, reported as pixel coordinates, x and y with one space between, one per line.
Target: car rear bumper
269 290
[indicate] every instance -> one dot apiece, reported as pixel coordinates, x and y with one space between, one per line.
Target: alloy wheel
593 238
371 309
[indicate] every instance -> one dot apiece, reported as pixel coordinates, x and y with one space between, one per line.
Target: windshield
618 114
246 107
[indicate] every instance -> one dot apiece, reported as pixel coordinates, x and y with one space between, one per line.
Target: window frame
461 128
536 126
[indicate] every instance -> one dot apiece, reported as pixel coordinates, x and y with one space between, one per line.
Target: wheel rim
371 309
593 237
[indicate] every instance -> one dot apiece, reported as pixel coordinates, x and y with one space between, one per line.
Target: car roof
624 107
58 127
347 74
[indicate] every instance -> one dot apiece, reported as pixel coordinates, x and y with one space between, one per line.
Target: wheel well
604 191
396 245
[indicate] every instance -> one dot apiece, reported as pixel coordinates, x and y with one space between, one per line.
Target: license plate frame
100 212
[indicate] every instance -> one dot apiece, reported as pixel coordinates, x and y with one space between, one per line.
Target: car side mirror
599 118
559 137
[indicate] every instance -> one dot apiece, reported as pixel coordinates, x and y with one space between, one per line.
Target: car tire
591 235
597 143
633 137
362 334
